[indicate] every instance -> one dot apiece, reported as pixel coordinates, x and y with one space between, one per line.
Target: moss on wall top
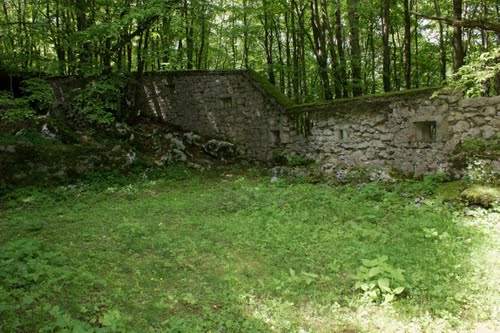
270 89
372 99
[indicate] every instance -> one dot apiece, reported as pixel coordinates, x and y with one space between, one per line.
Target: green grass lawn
233 251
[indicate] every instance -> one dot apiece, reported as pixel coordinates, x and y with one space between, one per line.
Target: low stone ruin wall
411 131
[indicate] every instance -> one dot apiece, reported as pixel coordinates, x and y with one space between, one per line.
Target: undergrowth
232 251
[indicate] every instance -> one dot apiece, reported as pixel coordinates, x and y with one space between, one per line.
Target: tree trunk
372 51
296 54
458 48
340 47
246 47
189 21
288 54
337 84
407 61
268 45
357 89
386 61
279 41
320 48
442 49
201 51
81 25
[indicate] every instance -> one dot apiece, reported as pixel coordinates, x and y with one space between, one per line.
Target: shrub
38 97
99 100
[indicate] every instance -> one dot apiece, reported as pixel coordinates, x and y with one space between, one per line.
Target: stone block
461 126
473 102
495 123
426 110
455 117
380 119
478 120
442 108
328 132
386 137
489 132
490 111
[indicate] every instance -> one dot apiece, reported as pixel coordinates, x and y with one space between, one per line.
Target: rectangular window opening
426 131
227 102
341 135
275 136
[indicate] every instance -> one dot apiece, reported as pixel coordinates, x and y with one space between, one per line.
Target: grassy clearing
235 252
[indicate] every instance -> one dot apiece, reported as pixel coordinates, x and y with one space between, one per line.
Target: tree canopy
310 49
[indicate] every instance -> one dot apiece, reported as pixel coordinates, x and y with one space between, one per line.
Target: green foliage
232 251
38 93
472 154
475 148
37 97
476 78
377 279
31 276
14 109
478 172
428 185
99 100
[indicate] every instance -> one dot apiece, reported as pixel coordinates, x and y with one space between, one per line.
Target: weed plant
233 251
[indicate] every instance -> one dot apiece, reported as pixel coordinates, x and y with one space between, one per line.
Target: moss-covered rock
483 195
449 191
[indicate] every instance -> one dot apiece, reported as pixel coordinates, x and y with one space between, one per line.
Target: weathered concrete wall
411 131
226 105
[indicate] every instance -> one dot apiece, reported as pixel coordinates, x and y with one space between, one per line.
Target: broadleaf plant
379 280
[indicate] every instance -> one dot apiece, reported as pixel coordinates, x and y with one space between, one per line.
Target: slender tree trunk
386 61
60 51
340 46
396 80
279 41
353 8
81 25
497 77
373 59
458 48
288 53
301 62
417 75
246 47
320 48
189 40
268 45
296 55
442 49
337 84
484 33
201 51
407 62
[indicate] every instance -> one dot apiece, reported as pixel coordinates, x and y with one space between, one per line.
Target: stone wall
227 105
408 131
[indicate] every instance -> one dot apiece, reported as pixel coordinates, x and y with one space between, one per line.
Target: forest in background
310 49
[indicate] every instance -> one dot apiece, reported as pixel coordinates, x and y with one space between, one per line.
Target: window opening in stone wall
275 136
227 102
426 131
341 135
